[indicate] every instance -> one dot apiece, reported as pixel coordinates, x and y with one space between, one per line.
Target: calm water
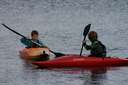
60 23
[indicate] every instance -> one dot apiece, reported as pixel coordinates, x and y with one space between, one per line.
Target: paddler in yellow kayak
35 38
29 44
97 48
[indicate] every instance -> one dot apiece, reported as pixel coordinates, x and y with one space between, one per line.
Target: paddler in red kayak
97 48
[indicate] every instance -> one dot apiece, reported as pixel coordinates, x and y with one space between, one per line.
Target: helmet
92 36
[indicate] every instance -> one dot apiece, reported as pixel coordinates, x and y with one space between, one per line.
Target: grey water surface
61 23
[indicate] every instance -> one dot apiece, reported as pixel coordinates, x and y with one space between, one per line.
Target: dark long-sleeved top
28 43
97 49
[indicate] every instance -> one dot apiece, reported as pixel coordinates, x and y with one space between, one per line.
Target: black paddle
86 30
56 53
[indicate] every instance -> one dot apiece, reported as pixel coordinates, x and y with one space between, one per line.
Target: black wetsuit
97 49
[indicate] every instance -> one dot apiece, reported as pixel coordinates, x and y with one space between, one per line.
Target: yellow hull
29 53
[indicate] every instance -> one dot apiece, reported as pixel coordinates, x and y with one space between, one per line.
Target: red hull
82 62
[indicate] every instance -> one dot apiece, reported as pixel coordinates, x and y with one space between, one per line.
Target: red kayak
81 62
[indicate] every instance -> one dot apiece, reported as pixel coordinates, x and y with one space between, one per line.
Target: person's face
34 37
92 38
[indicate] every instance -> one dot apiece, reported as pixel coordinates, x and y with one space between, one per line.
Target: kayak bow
30 53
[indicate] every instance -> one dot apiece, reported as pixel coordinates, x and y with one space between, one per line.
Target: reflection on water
96 77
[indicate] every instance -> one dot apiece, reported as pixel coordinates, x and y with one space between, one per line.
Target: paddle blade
86 30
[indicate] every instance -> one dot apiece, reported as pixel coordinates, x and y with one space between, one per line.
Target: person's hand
84 42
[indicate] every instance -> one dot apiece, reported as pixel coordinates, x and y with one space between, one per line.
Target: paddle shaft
20 35
13 30
82 46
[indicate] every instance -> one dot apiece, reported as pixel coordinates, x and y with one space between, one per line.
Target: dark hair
93 34
34 32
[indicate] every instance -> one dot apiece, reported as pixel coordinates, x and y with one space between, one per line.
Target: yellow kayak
30 53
